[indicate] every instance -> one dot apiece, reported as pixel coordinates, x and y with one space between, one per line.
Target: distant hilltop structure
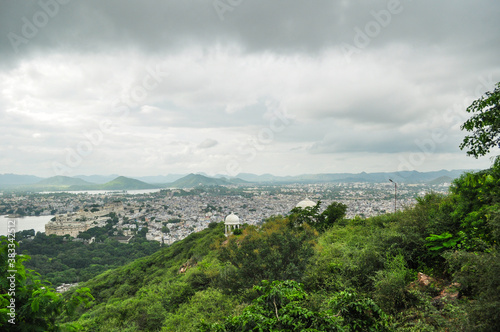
231 223
74 223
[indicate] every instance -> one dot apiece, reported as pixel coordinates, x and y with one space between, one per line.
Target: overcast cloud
221 87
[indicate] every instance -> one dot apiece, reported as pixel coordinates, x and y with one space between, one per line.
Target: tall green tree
334 213
484 124
308 215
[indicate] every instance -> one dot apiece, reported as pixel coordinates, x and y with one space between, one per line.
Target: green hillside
434 267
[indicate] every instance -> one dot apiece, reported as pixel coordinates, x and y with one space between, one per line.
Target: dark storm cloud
281 26
166 25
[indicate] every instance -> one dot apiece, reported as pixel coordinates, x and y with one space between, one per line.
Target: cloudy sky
228 86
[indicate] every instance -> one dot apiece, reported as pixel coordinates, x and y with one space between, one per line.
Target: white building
231 223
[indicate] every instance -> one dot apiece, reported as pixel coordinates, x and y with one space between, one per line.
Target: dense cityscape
171 215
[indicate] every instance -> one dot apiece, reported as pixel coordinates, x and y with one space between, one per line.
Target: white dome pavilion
231 223
305 203
232 219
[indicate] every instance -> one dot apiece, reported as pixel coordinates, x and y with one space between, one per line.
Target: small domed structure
305 203
231 222
232 219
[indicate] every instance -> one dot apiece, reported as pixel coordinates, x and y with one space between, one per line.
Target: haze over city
281 87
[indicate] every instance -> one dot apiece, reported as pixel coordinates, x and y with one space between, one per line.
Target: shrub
390 285
479 275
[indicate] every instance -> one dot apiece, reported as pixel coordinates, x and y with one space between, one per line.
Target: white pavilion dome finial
232 219
305 203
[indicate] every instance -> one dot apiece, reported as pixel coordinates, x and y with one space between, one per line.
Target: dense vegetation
26 302
60 260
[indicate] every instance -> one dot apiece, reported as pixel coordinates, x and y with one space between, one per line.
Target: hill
99 179
124 183
161 178
441 180
63 181
14 179
196 180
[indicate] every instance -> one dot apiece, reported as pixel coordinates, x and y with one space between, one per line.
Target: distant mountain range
65 183
101 179
115 182
403 177
14 179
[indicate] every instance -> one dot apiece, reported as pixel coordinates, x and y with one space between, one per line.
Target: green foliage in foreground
484 124
283 307
26 302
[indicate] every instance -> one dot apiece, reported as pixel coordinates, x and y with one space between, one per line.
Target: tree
84 236
276 251
307 215
485 124
334 213
358 313
281 307
143 232
321 221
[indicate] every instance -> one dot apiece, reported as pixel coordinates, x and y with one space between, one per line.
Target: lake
24 223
